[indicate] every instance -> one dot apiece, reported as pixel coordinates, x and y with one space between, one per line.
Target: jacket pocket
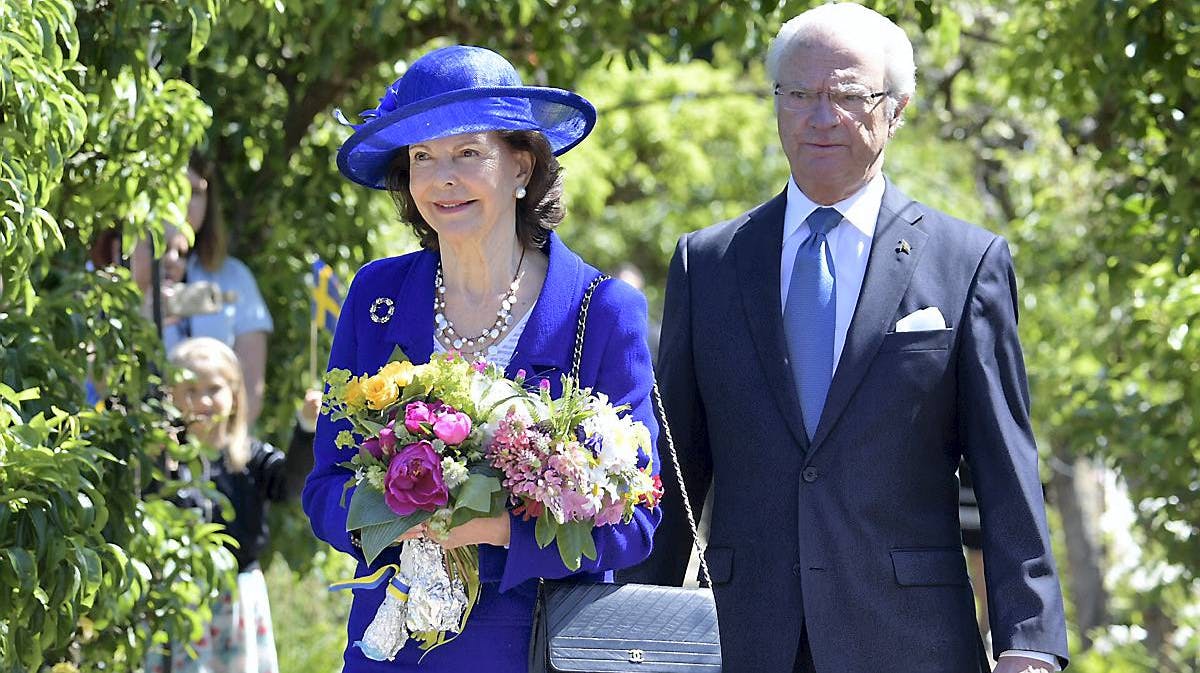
929 566
720 563
923 340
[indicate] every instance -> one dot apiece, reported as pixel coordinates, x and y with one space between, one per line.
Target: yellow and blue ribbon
389 573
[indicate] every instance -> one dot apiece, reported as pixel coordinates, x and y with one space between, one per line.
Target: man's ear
897 115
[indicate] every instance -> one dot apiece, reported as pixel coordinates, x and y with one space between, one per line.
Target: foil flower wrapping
435 600
421 598
386 633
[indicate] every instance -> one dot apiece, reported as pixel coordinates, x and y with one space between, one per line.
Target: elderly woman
469 155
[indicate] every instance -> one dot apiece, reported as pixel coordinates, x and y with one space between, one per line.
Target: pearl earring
520 192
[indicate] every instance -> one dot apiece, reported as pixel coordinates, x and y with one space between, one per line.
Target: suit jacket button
810 474
796 569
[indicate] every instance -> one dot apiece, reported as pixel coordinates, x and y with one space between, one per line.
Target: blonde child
211 395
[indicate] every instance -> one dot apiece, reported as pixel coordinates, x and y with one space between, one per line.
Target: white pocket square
929 318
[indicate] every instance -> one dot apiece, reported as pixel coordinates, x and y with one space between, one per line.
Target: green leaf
398 355
545 529
574 542
24 568
15 397
370 428
89 562
377 537
476 493
367 508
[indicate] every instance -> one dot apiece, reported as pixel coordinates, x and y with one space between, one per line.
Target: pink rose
387 439
452 427
414 480
372 446
415 414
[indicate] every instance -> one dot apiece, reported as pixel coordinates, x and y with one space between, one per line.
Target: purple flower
373 446
452 427
414 480
611 514
387 438
415 414
544 385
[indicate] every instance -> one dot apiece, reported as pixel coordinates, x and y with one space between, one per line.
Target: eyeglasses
850 101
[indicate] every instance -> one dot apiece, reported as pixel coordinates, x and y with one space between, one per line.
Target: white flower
454 472
621 438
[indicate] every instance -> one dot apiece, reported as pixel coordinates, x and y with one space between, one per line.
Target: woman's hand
493 530
309 410
412 534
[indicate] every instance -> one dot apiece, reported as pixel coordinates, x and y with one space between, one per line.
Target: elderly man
826 359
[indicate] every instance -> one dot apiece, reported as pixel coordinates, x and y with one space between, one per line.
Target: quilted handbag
611 628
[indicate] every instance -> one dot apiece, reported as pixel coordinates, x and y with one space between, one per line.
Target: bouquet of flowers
572 463
445 442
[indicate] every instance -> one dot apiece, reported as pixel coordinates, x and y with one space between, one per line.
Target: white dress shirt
850 245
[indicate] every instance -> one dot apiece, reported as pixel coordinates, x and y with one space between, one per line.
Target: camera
196 298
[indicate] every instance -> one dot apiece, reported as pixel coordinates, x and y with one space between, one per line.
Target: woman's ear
525 164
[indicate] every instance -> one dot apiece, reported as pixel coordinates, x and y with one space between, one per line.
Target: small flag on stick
326 296
326 307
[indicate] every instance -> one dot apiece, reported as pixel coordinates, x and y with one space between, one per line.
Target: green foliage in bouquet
375 404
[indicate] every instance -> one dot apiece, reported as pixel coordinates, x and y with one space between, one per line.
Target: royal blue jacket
615 361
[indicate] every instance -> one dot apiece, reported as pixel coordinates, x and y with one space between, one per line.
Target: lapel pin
382 309
903 246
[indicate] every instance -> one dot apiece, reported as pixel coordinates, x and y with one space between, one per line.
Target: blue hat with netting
454 90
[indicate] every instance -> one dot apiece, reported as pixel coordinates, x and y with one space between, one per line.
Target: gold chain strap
662 422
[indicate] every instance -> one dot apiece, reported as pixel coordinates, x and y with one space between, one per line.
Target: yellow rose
353 395
380 391
401 373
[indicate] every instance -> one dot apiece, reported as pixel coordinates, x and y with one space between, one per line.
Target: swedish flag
326 296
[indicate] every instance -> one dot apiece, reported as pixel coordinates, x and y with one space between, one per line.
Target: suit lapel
889 272
412 326
757 247
549 338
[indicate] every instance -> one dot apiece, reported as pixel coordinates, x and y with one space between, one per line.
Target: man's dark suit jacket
855 534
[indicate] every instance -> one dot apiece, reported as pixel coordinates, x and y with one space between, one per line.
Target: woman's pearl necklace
485 342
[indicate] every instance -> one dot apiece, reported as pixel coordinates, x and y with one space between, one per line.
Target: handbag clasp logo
636 656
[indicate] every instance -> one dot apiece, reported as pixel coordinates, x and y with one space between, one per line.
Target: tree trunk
1075 491
1159 628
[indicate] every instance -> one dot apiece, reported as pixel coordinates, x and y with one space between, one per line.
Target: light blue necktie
808 319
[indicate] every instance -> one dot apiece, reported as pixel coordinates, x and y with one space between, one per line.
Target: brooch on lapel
903 246
382 309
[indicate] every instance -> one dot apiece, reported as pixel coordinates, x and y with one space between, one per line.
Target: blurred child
251 474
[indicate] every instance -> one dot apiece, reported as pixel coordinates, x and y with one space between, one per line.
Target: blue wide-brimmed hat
455 90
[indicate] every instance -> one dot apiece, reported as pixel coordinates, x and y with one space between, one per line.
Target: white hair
864 25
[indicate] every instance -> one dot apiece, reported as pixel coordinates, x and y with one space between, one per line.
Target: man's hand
1021 665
